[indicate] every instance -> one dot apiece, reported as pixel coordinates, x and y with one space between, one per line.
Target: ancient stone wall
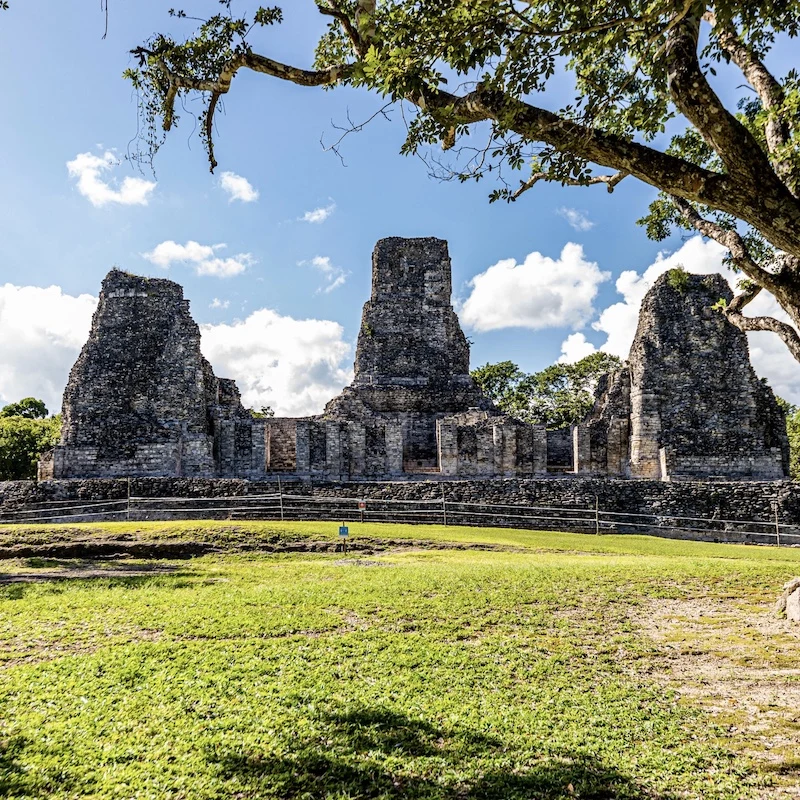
141 399
688 404
664 504
412 358
697 407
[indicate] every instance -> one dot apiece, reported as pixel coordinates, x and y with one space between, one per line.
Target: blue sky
69 99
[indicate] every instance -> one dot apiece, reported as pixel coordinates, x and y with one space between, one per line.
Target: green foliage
22 442
266 412
678 279
433 674
499 382
558 396
792 413
28 407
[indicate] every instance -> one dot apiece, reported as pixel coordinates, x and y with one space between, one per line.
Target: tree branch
767 87
787 333
610 181
769 207
732 241
697 101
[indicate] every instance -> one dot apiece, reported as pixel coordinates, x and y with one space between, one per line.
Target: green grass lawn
530 672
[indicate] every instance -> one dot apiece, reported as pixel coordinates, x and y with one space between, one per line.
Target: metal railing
443 511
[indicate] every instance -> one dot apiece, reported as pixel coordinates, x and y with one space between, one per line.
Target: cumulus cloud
574 348
42 331
770 357
539 293
334 276
238 188
319 215
577 220
88 169
202 257
293 365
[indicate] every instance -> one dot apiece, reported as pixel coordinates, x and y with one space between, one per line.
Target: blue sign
344 530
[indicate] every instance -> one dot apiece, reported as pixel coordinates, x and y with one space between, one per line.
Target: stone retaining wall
711 503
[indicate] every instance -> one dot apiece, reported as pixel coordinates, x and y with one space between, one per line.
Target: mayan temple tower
412 358
688 405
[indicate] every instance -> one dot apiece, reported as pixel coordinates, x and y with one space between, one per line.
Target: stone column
447 441
582 449
303 447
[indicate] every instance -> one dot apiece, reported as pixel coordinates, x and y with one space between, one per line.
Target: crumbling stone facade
142 401
404 411
688 404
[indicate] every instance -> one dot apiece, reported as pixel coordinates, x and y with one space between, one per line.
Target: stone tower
688 404
141 398
697 407
412 358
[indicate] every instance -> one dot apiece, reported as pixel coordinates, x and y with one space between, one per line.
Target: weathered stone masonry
688 404
142 401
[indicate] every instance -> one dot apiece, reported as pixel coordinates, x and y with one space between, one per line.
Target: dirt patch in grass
122 548
739 662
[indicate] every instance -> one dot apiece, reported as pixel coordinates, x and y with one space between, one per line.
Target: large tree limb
610 181
768 89
769 207
697 101
730 239
787 333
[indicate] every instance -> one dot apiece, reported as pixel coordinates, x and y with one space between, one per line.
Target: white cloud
334 276
89 168
202 257
217 303
539 293
769 356
41 334
238 188
577 220
574 348
295 366
319 215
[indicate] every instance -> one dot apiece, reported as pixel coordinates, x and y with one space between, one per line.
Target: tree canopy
479 77
558 396
28 407
25 433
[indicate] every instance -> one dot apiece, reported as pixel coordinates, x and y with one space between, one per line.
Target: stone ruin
687 405
142 401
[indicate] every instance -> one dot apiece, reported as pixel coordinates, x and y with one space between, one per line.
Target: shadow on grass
376 753
16 781
130 574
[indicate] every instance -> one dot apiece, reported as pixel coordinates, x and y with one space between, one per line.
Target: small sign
344 530
362 505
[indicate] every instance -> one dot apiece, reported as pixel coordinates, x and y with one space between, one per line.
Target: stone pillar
447 440
258 453
582 449
226 435
303 447
394 449
645 434
539 448
334 466
357 440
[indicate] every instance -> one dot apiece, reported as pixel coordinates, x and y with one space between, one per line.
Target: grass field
552 665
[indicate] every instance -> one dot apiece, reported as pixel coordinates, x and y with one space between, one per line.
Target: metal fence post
444 508
597 515
128 511
777 525
280 496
